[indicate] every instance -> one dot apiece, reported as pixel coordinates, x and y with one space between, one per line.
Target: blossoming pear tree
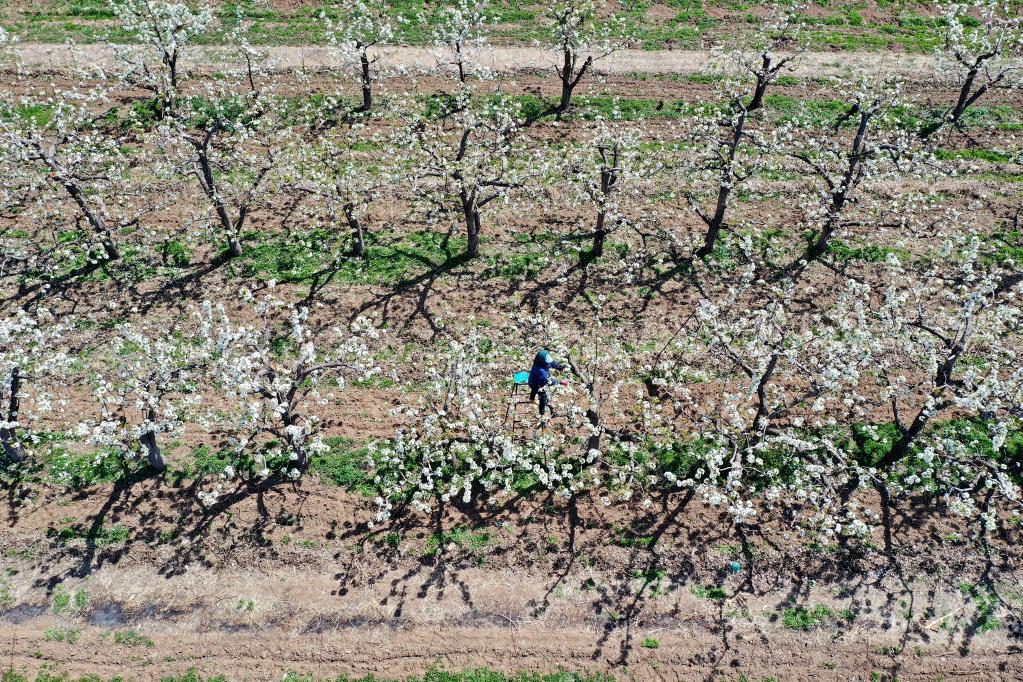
161 32
357 31
277 379
32 360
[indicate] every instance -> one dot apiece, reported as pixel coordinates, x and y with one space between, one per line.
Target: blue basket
521 378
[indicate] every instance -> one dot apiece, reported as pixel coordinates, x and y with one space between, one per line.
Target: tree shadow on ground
419 287
98 549
187 287
562 538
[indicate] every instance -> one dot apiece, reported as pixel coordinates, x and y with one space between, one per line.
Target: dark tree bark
726 182
366 77
460 62
735 124
969 91
153 453
8 437
570 76
71 185
355 225
759 422
471 215
842 192
593 441
610 173
232 227
955 347
170 61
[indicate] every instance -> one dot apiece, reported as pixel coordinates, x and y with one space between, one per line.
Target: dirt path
393 654
254 625
306 586
507 60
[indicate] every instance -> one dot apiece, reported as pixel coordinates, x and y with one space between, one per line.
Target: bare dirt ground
297 580
502 59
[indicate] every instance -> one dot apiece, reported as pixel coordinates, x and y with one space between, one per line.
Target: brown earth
501 59
305 584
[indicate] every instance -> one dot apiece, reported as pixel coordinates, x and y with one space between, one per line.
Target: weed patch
803 618
709 592
68 635
462 536
132 638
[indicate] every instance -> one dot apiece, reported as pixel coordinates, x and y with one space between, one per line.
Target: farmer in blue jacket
540 378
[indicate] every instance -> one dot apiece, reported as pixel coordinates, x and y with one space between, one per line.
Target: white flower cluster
273 380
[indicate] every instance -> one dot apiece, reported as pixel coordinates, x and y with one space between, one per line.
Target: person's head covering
543 357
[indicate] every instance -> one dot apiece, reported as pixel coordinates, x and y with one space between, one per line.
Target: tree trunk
759 425
963 102
358 238
12 448
609 173
710 237
209 187
593 417
301 456
823 241
840 195
367 84
597 250
460 62
96 221
709 240
165 96
569 79
966 97
358 243
153 453
725 183
472 227
566 98
820 245
8 438
111 250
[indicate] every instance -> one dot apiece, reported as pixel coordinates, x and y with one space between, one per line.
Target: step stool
518 379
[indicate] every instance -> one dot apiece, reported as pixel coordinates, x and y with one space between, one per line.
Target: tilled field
321 594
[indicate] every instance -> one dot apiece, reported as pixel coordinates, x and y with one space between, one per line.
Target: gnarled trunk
570 79
599 235
234 247
726 181
367 83
471 214
153 453
8 438
358 238
610 173
96 220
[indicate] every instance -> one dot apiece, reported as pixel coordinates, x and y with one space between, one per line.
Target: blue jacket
540 374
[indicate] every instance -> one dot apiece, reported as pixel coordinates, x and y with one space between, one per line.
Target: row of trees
775 381
241 144
909 385
268 372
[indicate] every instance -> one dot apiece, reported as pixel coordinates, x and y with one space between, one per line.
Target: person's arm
550 379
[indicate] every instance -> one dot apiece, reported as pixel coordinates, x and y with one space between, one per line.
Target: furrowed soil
297 578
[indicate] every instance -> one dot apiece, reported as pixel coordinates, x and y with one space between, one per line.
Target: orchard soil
295 577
